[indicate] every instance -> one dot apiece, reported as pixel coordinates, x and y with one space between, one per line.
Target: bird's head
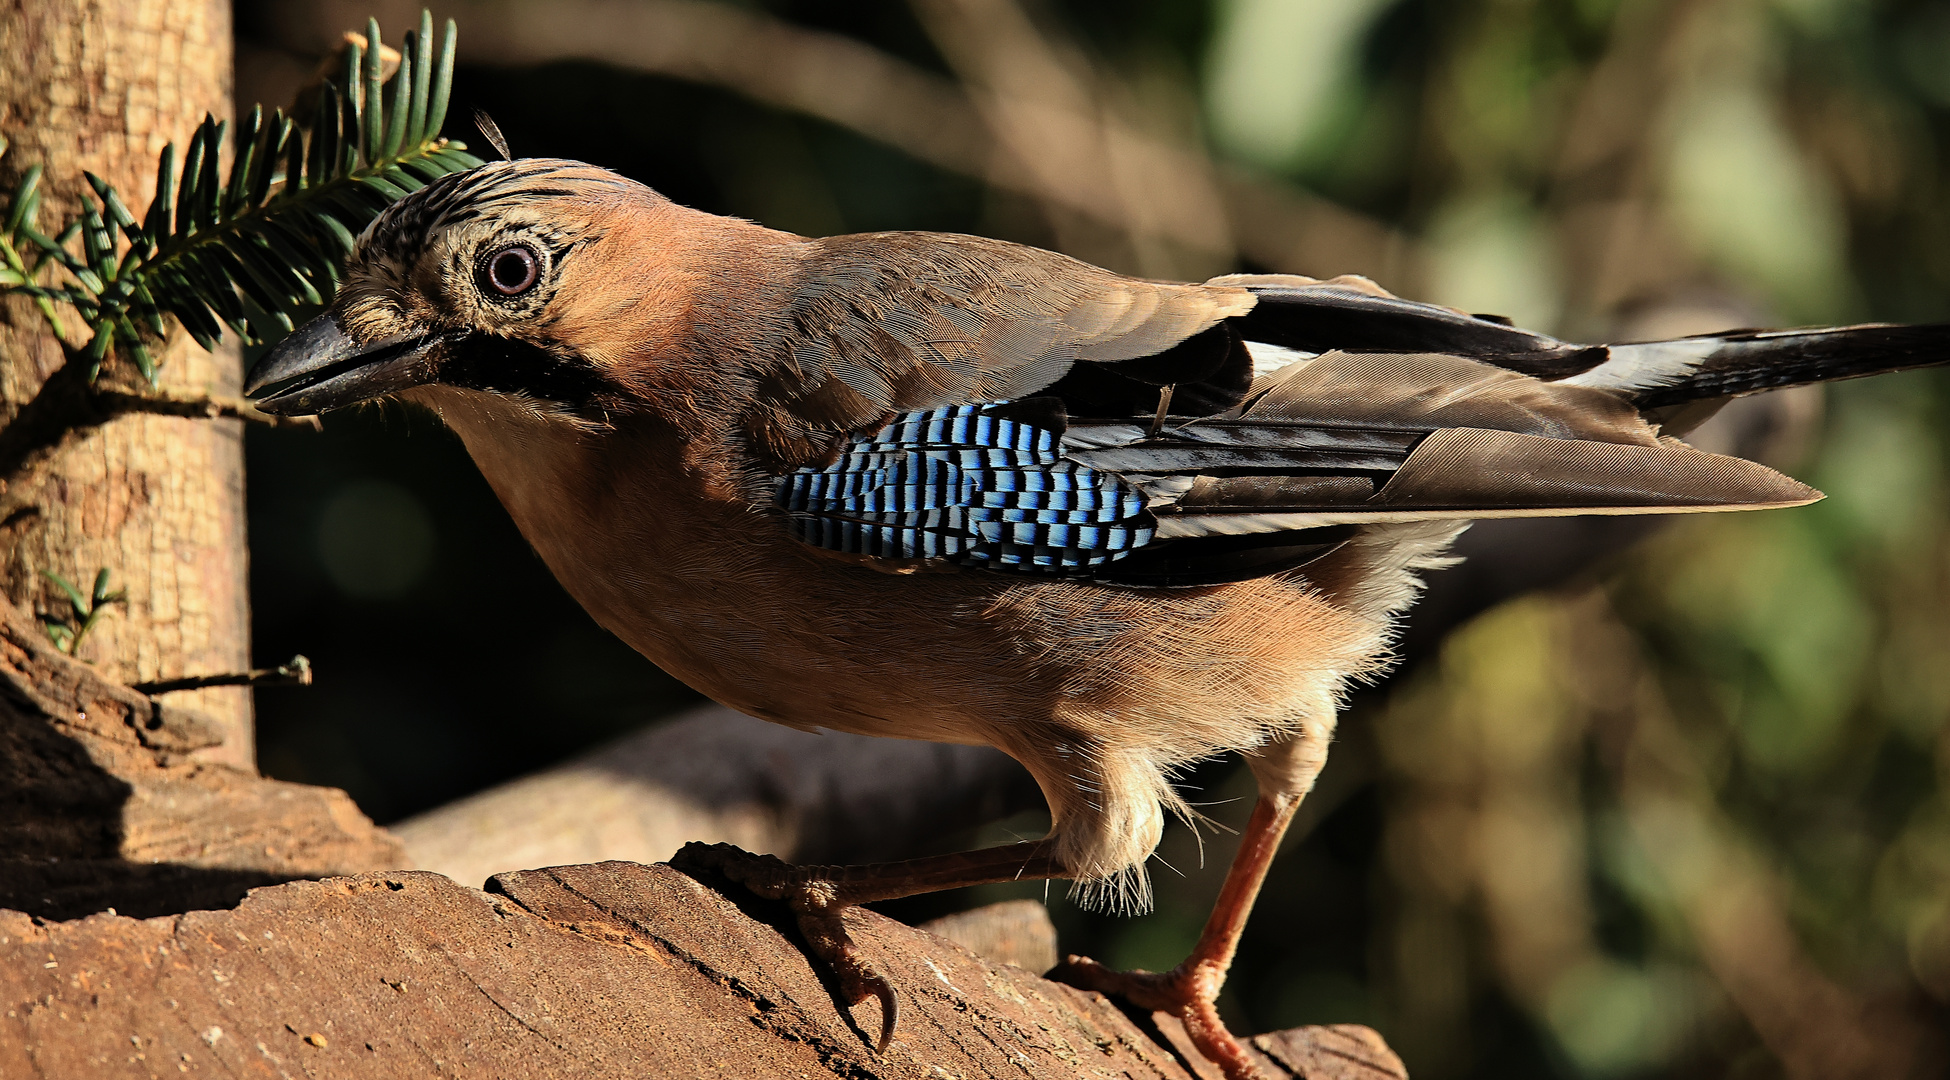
551 281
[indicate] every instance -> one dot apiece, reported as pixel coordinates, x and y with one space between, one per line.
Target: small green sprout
67 634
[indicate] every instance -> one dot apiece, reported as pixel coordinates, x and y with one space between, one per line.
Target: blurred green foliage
1689 818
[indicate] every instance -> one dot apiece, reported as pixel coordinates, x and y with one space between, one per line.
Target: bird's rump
1352 314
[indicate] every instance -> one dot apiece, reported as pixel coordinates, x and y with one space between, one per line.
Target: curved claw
820 895
825 932
890 1012
820 920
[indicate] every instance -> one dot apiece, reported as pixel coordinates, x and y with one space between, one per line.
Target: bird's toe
765 875
1188 992
810 892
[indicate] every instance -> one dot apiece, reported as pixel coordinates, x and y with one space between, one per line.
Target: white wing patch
1646 365
1268 359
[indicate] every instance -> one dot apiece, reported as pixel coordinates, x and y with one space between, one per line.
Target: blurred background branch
717 776
1020 117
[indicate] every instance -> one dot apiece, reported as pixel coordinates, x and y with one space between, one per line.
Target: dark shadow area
65 888
62 832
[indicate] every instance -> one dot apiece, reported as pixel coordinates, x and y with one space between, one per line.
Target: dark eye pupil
511 271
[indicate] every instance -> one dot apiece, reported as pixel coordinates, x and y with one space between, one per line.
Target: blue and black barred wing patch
967 486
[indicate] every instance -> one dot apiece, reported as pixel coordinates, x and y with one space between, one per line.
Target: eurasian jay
942 487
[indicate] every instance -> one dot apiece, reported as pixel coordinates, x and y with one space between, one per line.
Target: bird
945 487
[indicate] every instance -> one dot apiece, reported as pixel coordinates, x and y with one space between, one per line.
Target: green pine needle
268 234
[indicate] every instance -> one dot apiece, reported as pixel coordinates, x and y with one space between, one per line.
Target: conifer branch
246 249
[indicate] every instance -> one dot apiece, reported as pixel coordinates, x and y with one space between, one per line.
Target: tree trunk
108 798
158 501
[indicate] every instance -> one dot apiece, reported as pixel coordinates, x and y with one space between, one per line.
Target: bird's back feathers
891 323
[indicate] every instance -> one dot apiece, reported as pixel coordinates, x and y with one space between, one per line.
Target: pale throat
532 456
645 546
619 503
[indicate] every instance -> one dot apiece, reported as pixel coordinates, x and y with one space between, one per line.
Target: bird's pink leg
1190 990
820 895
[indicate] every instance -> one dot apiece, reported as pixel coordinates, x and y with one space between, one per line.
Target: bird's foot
1189 992
815 899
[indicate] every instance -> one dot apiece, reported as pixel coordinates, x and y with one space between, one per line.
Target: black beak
318 368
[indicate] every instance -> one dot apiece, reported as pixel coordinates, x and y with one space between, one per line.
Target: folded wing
1319 447
890 323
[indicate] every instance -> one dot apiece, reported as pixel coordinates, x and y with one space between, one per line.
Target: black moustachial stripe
507 366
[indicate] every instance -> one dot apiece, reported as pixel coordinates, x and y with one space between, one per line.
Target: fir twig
295 672
245 249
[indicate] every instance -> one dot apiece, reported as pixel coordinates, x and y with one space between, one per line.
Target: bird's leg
1286 772
820 895
1190 990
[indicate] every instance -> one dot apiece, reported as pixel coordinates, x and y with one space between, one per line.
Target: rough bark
1015 932
617 970
102 85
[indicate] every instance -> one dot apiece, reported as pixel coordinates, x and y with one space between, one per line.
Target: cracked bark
157 499
610 970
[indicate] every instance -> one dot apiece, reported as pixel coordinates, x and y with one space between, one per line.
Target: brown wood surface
105 803
103 85
607 970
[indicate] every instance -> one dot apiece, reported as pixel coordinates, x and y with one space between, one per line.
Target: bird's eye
513 270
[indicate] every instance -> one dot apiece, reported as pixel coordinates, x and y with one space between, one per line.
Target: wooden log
592 971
